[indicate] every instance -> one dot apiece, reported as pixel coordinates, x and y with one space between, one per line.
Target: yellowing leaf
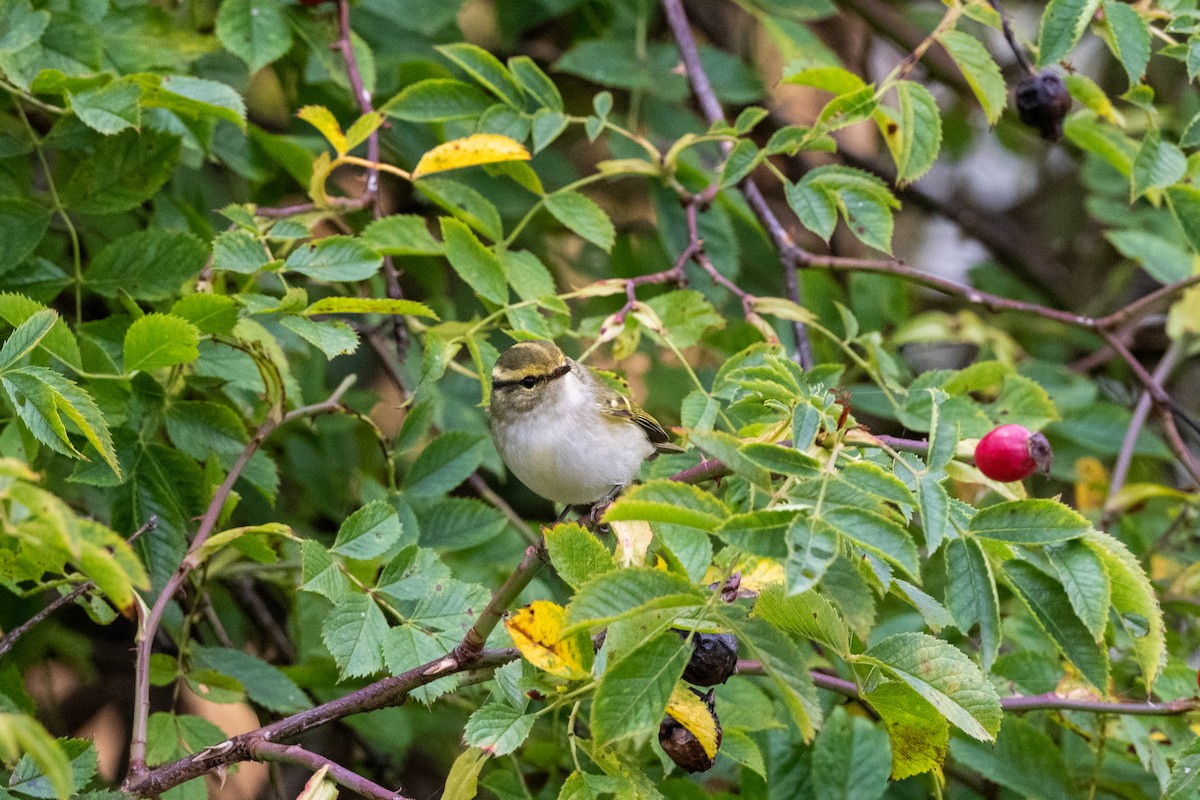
322 166
536 631
692 713
478 148
323 120
1184 316
633 540
1091 484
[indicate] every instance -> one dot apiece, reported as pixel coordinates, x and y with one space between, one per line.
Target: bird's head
524 375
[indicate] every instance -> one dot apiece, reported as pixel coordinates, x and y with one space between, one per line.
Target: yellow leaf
323 120
686 708
478 148
1091 484
536 631
784 309
319 787
633 540
1184 316
316 186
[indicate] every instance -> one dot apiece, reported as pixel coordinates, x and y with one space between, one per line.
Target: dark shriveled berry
1043 102
682 745
714 658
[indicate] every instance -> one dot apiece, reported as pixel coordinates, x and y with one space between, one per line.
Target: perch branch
262 750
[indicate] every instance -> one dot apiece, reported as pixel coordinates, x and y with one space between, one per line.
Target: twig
1140 412
702 88
261 750
256 609
373 195
471 646
10 639
1018 703
334 203
1011 37
150 622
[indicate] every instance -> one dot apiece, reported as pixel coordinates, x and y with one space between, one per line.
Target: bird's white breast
566 450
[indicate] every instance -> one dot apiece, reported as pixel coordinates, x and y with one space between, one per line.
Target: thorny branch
150 622
262 750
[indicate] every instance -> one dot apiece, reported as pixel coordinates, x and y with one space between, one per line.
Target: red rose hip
1012 453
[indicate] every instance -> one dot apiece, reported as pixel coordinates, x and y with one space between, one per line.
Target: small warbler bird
563 431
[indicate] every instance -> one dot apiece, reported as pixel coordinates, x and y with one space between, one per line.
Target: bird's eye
529 382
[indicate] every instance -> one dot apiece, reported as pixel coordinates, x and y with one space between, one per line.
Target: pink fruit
1012 453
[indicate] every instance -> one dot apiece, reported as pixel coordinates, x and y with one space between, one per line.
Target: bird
563 432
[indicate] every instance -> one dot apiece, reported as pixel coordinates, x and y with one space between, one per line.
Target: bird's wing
618 405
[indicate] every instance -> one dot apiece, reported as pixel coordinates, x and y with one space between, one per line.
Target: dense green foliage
213 214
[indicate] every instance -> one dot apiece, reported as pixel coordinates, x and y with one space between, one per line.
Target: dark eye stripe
558 373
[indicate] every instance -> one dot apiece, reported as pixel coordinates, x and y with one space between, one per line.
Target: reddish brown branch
261 750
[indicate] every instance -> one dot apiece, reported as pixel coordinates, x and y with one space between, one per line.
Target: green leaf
535 82
26 336
1083 576
1184 202
1024 760
23 223
477 265
265 684
764 533
402 235
919 735
147 265
812 545
979 69
1130 39
407 647
122 172
1185 774
486 69
851 758
913 130
445 463
30 778
335 258
971 596
22 734
583 217
808 614
320 574
459 523
254 30
946 678
109 109
546 127
498 729
197 98
624 592
1063 22
23 27
369 532
1135 602
239 251
876 534
863 200
782 460
785 666
1048 602
160 340
465 204
577 554
437 100
632 696
934 613
1029 522
331 337
527 274
173 736
687 315
668 501
353 631
1158 164
1162 259
816 207
934 505
737 745
211 313
741 160
40 395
